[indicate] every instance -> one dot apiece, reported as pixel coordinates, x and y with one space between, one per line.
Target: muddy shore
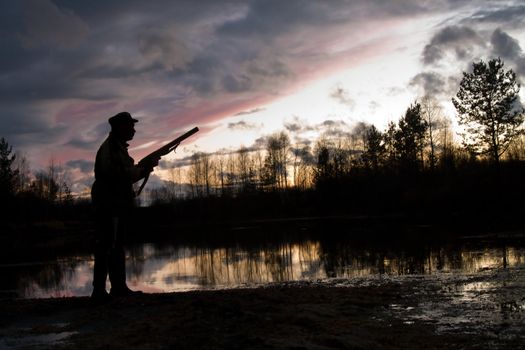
332 315
478 311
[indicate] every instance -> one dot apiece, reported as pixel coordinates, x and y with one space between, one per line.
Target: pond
171 267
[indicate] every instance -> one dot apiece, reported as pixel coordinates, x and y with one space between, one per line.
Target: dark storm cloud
509 49
265 20
513 15
67 49
27 127
46 23
274 17
431 83
459 40
504 45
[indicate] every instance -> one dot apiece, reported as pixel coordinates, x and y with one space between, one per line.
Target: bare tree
21 164
220 172
245 169
358 137
302 166
517 149
432 114
197 174
276 163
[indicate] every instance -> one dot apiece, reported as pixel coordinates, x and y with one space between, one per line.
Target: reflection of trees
53 278
269 263
347 260
136 260
276 262
288 261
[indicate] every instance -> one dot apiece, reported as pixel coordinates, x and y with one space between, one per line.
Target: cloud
504 45
304 154
508 48
373 105
251 111
243 125
84 110
293 127
80 175
238 83
333 124
160 45
334 128
512 15
177 163
260 142
298 125
341 96
429 83
459 40
85 166
89 138
46 23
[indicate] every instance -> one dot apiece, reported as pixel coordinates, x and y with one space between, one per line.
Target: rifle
157 154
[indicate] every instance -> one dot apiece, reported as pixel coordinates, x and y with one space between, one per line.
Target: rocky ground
411 313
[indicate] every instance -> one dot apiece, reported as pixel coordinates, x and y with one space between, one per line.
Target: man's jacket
115 173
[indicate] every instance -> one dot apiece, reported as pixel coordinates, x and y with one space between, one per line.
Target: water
158 268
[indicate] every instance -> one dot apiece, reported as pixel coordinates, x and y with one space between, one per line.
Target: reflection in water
167 268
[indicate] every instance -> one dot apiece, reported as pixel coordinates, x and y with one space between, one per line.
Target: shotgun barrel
162 151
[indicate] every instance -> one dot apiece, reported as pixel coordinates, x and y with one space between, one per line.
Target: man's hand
148 164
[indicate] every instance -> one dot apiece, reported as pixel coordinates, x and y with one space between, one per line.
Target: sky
240 70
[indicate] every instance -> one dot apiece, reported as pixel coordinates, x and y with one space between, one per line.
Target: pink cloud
80 110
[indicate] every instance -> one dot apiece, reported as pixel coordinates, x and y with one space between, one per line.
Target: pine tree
7 174
410 138
375 149
487 105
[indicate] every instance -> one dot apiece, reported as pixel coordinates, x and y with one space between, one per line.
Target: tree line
51 184
25 193
420 143
490 117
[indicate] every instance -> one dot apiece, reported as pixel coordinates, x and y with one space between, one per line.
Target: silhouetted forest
417 167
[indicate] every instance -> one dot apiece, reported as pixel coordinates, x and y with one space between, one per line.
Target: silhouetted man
113 196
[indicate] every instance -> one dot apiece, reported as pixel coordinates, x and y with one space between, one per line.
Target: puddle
38 336
42 341
491 303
